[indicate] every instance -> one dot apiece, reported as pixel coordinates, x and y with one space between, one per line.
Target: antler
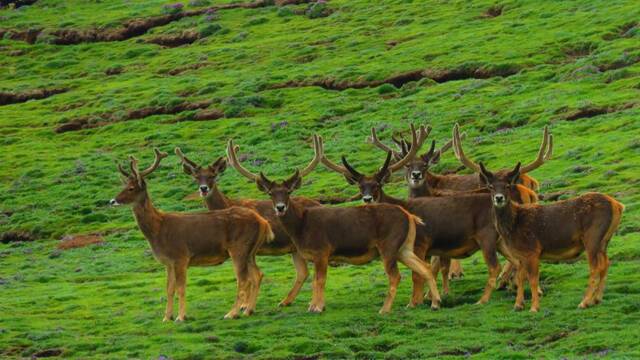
159 155
122 171
185 160
318 153
232 155
457 149
449 144
379 144
233 159
416 143
545 149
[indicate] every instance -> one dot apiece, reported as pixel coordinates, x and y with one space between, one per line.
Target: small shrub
210 30
386 89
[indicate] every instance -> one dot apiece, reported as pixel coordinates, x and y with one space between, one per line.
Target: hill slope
86 83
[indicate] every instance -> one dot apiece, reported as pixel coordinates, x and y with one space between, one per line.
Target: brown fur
181 240
557 232
354 235
206 179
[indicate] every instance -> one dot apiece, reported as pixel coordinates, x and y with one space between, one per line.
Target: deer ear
294 182
485 175
188 169
435 158
219 165
263 183
514 175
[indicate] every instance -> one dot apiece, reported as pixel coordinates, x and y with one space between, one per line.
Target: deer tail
527 195
266 233
411 232
529 182
617 208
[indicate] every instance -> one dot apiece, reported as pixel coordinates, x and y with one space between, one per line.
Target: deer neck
149 219
505 220
386 199
292 220
216 200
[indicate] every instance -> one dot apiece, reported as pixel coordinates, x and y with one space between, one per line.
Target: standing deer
456 226
354 235
559 231
519 192
206 179
180 240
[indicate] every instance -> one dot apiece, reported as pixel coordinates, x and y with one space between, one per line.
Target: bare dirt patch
493 11
171 41
7 98
623 31
593 110
90 122
78 241
131 28
47 353
398 80
16 236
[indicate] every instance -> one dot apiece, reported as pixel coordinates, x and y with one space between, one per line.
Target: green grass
106 301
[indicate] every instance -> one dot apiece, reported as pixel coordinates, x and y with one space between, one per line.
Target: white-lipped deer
522 192
354 235
181 240
206 179
456 226
557 232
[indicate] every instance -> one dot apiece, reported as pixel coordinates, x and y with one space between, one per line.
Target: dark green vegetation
501 69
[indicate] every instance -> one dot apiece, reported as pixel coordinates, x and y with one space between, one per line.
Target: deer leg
594 274
507 275
417 297
446 265
241 269
301 276
456 271
519 277
391 268
171 291
413 262
604 270
181 285
256 278
491 258
533 265
319 281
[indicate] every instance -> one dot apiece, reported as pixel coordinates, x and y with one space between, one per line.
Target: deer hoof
248 312
167 318
435 307
284 303
231 315
533 310
180 319
315 308
518 307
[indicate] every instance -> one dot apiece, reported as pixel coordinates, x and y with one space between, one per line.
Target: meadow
106 79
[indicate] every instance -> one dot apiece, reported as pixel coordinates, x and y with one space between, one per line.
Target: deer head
416 169
135 187
544 153
204 176
279 191
500 186
371 185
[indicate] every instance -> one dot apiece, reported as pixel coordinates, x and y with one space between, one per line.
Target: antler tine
541 153
121 169
549 153
159 155
457 148
379 144
184 159
449 144
233 160
416 143
133 165
318 150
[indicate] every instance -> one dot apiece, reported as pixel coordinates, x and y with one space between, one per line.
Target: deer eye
131 189
490 187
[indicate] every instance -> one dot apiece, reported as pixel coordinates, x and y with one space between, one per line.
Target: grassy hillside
270 75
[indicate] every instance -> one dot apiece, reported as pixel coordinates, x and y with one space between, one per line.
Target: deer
181 240
524 190
206 180
560 231
354 235
456 226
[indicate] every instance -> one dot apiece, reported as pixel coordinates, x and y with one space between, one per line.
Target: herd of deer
446 216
